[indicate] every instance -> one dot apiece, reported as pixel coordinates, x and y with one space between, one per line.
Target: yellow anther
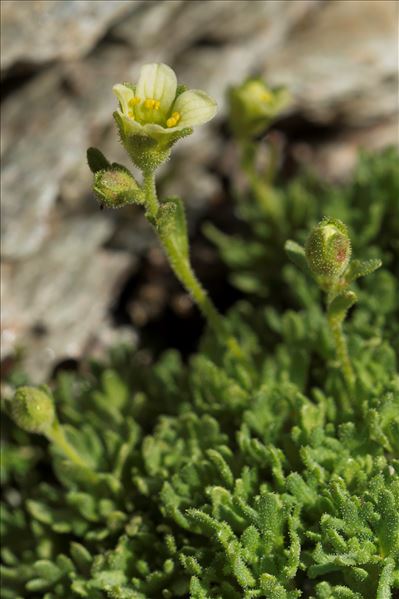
134 101
267 96
149 103
157 104
174 119
131 114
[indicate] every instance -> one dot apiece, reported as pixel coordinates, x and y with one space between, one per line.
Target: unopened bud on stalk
32 410
116 187
254 106
328 250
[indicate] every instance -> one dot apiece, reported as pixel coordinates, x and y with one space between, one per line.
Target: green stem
262 188
181 266
57 436
248 156
274 159
150 192
342 352
179 263
183 271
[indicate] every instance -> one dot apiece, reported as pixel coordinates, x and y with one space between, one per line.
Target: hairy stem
262 188
183 271
342 352
180 264
150 193
58 437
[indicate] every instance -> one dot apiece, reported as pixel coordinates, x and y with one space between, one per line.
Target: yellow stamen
174 119
131 114
267 96
134 101
150 103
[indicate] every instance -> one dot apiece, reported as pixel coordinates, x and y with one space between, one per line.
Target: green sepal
148 151
116 187
167 141
328 251
145 152
361 268
180 89
340 305
296 253
96 160
172 224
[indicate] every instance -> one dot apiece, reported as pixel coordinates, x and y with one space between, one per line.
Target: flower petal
124 94
195 107
130 127
157 82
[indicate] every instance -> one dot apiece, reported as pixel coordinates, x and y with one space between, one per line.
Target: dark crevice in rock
17 76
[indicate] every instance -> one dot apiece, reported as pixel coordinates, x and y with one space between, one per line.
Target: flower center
146 111
267 96
151 104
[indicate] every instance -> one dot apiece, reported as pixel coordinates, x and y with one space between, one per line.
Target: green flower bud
115 187
32 410
253 106
328 250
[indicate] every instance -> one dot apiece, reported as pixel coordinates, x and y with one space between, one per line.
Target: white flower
155 108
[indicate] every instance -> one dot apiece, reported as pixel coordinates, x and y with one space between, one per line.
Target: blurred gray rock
269 26
56 303
45 30
45 136
335 160
342 65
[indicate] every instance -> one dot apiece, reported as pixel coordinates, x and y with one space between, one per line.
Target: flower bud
253 106
115 187
328 250
32 410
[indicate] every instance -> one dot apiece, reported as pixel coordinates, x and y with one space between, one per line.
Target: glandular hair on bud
115 187
32 410
328 249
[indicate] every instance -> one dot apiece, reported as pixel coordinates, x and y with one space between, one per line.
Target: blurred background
77 280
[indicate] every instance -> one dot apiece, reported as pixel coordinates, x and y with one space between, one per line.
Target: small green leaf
81 556
340 305
171 223
296 253
96 160
271 587
361 268
47 570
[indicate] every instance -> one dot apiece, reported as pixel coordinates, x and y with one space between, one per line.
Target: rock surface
343 65
56 302
62 258
41 31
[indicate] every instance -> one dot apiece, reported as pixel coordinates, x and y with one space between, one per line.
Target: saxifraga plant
327 256
259 469
152 116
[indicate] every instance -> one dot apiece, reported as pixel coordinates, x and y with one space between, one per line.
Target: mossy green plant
249 471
